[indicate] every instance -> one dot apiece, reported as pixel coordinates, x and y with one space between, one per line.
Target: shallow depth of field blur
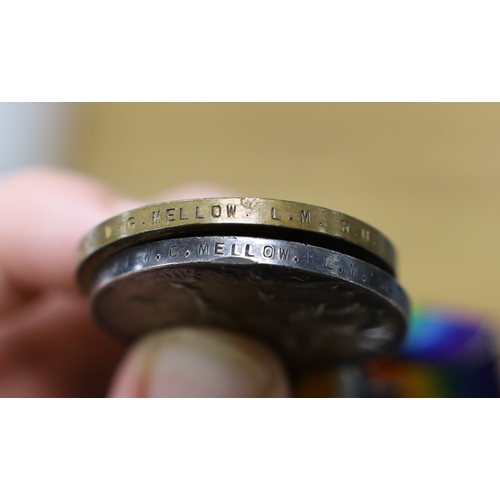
427 175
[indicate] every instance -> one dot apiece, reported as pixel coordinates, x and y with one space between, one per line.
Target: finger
191 362
53 349
44 214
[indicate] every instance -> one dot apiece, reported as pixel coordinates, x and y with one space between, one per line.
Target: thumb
200 362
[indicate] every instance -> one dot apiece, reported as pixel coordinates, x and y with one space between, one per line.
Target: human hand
49 345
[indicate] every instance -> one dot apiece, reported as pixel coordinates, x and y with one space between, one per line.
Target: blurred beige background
428 175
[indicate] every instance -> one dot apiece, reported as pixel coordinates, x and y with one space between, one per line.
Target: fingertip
200 362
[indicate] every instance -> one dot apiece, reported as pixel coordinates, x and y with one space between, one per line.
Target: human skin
50 346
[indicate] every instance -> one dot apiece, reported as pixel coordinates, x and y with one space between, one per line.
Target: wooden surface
428 175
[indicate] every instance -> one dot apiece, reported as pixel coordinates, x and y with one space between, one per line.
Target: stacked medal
316 285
